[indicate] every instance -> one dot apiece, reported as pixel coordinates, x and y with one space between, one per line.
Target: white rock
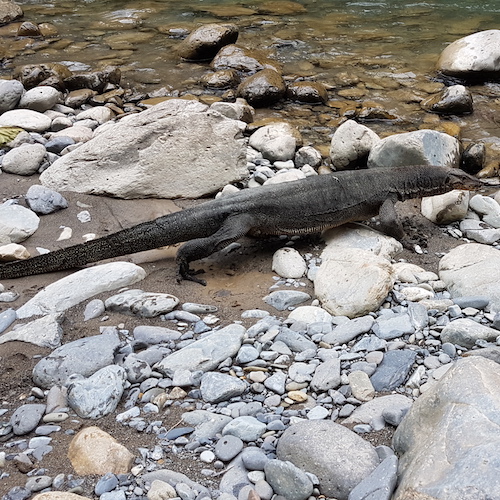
44 332
80 286
24 160
40 98
479 231
10 93
488 208
362 237
17 223
406 272
420 147
77 132
355 283
13 251
239 110
276 142
350 145
101 114
154 154
160 490
288 263
310 314
472 55
144 304
286 176
470 268
416 293
29 120
446 208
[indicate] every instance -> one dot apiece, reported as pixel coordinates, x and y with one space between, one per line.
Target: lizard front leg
391 225
233 228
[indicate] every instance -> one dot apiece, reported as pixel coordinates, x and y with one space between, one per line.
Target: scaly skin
304 206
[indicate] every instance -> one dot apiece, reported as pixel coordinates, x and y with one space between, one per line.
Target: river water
380 47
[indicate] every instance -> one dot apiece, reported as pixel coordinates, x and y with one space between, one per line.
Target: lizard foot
184 273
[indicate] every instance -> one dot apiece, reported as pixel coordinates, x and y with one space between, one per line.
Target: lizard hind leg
232 229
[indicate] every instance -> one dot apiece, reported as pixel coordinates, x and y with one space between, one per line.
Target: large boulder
421 147
9 11
204 42
472 268
264 88
448 442
476 56
242 59
177 148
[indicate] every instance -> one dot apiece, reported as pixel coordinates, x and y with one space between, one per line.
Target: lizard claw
184 273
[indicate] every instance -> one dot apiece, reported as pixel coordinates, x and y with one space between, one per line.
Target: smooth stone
80 286
254 458
246 428
349 330
288 263
288 480
488 208
10 93
380 484
24 160
247 354
7 317
276 142
310 314
40 98
452 100
100 114
326 376
78 133
338 457
152 335
317 413
361 386
26 418
479 231
43 200
83 356
294 340
393 370
393 327
58 144
465 400
13 251
27 119
227 447
282 300
44 332
307 155
446 208
216 387
276 382
350 145
207 424
93 451
140 303
263 88
160 490
307 92
17 223
466 332
93 309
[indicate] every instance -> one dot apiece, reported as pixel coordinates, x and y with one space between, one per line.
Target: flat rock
24 160
349 330
338 457
310 314
207 424
44 332
375 408
420 147
466 332
59 495
380 484
29 120
393 370
84 356
216 387
17 223
140 303
285 299
204 354
326 376
474 56
93 451
167 160
26 418
10 90
246 428
353 283
288 480
79 286
435 463
472 267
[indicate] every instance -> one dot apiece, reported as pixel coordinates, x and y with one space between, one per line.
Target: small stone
227 447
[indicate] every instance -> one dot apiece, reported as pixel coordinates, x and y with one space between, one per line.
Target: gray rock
29 120
380 484
307 155
139 303
152 335
57 144
492 353
276 382
247 354
488 208
173 478
246 428
94 309
216 387
40 98
338 457
349 330
38 483
26 418
80 286
476 301
446 208
420 147
7 317
466 400
10 93
326 376
283 299
83 356
370 343
44 201
164 132
473 56
276 142
262 89
254 458
479 231
203 43
350 145
17 223
227 447
288 480
391 327
207 424
235 480
472 267
294 340
393 370
44 332
106 483
98 395
136 369
24 160
376 408
204 354
453 100
465 332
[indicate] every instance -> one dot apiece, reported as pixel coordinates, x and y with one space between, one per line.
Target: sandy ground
235 282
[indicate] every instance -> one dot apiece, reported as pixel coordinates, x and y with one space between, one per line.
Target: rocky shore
344 368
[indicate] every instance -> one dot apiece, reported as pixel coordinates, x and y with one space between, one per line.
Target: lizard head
458 179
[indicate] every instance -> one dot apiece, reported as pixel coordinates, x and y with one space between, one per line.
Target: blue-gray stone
7 317
43 200
369 344
288 480
254 458
276 382
26 418
113 495
246 428
283 299
17 493
295 341
418 315
57 144
38 483
391 327
349 330
246 354
108 482
178 432
380 484
228 447
393 370
476 301
216 387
